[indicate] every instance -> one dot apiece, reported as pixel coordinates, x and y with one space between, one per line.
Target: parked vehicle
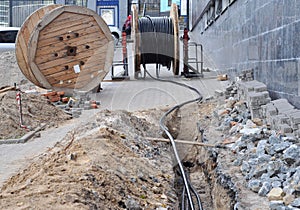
8 37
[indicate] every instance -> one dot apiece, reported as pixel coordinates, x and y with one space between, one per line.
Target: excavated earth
109 163
36 110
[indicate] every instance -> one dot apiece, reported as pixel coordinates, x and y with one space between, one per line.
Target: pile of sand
35 111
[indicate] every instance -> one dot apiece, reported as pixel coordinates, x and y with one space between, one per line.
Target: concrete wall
258 34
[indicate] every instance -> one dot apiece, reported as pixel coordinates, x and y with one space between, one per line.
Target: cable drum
157 40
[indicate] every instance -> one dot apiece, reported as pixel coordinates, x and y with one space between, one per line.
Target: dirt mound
102 165
36 110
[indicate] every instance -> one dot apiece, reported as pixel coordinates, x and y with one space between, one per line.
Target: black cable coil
157 40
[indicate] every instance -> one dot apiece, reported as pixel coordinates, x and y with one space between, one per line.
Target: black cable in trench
161 51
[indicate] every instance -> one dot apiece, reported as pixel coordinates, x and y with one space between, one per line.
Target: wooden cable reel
64 47
137 40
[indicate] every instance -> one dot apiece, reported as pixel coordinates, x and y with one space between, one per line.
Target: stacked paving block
246 75
282 116
255 94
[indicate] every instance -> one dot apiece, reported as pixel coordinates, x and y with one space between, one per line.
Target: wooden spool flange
65 47
137 40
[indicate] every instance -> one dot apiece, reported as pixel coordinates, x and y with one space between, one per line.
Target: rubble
267 150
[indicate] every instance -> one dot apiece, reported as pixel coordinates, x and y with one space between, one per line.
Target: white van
8 37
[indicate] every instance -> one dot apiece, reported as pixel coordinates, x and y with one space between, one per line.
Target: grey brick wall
258 34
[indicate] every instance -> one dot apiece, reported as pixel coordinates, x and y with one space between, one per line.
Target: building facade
252 34
114 12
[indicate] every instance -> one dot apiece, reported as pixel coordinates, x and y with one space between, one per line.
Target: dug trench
110 164
196 124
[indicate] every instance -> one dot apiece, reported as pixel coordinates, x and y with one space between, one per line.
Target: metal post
10 13
185 51
187 14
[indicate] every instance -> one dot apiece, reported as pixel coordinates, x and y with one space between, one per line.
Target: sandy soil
36 110
98 167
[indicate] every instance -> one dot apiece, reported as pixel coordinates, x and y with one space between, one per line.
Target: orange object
54 98
94 106
65 99
61 93
232 123
53 93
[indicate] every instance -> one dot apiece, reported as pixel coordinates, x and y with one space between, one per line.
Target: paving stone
295 117
282 105
270 110
285 128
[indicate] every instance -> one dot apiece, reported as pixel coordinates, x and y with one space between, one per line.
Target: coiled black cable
157 40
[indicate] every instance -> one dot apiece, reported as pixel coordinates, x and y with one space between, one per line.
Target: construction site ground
103 159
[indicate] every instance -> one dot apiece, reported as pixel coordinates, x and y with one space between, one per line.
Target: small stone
273 167
72 156
257 121
291 154
275 194
282 146
288 199
296 202
263 191
260 150
276 184
245 168
163 196
155 190
254 185
132 204
277 205
20 204
274 140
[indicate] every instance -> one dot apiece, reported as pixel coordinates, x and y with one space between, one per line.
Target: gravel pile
268 160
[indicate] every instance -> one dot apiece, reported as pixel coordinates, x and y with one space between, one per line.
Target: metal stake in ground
19 101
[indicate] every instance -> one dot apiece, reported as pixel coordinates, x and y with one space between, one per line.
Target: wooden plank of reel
174 16
69 47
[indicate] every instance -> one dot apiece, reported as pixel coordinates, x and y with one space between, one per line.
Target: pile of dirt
36 110
106 164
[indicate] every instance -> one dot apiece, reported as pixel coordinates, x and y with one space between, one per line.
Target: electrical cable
187 184
163 55
157 38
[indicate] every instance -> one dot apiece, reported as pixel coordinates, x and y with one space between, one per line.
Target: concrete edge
24 138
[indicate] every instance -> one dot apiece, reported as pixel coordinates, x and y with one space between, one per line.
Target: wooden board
174 16
23 37
136 42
